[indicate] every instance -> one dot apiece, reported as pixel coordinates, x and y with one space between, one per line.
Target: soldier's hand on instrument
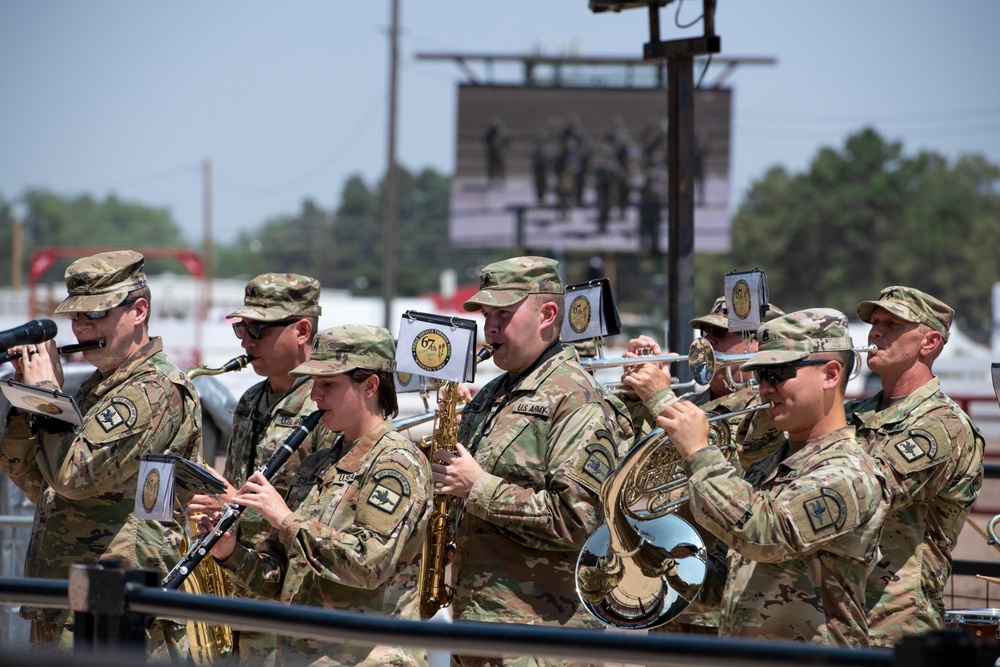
643 346
646 379
225 547
259 494
202 503
39 365
455 473
687 426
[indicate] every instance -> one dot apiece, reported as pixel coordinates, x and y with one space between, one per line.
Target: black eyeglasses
99 314
256 329
715 332
775 375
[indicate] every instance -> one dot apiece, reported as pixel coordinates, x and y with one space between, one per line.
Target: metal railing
466 638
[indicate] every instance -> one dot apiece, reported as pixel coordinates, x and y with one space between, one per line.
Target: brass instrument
991 530
646 565
597 363
434 593
209 642
704 361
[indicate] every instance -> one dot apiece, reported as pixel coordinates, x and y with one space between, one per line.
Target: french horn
646 565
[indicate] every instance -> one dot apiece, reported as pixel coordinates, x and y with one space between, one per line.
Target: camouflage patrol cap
510 281
271 297
102 281
342 349
795 336
911 305
719 316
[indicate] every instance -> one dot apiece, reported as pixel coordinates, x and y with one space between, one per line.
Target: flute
65 349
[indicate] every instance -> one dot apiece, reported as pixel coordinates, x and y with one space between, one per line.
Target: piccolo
65 349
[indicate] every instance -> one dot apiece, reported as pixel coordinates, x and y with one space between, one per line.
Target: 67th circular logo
579 314
431 350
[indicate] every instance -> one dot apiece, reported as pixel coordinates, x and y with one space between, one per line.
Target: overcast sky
288 99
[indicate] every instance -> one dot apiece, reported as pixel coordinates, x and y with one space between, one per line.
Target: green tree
82 221
867 216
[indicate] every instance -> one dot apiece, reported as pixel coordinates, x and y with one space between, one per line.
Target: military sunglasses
99 314
255 330
775 375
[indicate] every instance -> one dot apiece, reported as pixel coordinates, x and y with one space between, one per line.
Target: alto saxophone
434 592
209 643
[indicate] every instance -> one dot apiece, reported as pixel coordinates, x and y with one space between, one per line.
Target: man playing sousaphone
276 327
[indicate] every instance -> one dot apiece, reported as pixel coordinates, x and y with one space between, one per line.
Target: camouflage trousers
166 641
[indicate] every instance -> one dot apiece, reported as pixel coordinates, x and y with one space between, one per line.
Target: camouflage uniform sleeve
783 522
581 452
393 500
96 458
659 401
922 461
258 573
17 456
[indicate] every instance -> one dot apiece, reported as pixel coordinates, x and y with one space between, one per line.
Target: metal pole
390 206
681 158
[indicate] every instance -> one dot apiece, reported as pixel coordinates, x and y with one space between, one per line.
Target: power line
332 158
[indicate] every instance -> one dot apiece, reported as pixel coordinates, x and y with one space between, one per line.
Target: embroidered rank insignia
598 464
910 450
384 498
827 510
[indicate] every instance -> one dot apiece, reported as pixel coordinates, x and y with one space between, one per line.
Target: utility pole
679 55
390 203
206 244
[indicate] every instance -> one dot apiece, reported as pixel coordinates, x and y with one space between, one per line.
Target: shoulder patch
595 460
385 500
825 510
534 409
121 411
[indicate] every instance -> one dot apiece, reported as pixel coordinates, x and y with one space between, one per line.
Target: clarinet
204 544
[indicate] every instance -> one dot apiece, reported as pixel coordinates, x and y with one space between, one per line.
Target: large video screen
582 168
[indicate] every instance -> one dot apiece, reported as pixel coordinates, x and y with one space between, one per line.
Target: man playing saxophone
535 444
278 322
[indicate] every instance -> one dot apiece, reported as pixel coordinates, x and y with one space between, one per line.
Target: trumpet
645 566
703 361
622 388
594 364
64 350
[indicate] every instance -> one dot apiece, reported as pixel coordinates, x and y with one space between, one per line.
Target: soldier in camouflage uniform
83 479
932 454
651 384
278 322
538 442
354 541
803 525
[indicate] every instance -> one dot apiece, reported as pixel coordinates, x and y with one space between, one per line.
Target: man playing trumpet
803 526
